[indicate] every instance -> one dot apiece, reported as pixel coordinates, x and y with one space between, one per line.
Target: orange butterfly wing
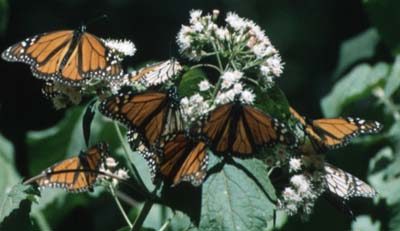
152 114
76 174
336 132
240 129
183 160
66 56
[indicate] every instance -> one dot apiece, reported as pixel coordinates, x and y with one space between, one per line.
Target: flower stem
206 65
165 225
41 221
142 215
218 58
216 89
120 206
131 166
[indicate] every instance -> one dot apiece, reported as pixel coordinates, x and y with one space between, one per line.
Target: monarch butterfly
151 114
336 132
345 185
66 56
157 73
76 174
238 129
183 159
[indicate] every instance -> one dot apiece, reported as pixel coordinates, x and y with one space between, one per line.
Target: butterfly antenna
96 19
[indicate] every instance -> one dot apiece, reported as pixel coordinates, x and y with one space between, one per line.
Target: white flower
302 184
265 70
184 101
275 64
204 85
291 208
196 99
183 38
125 47
111 163
106 172
215 14
197 27
298 180
235 21
237 88
247 96
258 33
122 173
230 78
222 33
195 16
194 107
289 194
259 50
294 164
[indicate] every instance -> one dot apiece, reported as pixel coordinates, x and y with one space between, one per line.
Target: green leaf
239 197
157 216
190 81
87 121
357 48
8 173
281 220
52 145
354 86
386 18
11 200
143 169
393 80
274 102
19 219
181 222
364 222
387 180
394 223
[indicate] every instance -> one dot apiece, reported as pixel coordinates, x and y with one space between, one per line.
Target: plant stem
217 54
131 166
41 221
216 89
142 215
121 209
165 225
206 65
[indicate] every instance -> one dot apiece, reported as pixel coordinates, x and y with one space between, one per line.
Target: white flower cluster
110 168
300 195
124 47
203 37
232 87
194 107
294 165
305 185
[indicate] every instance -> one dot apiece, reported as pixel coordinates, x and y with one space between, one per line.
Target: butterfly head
82 28
236 99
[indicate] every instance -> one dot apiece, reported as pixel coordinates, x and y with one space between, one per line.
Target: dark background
307 34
